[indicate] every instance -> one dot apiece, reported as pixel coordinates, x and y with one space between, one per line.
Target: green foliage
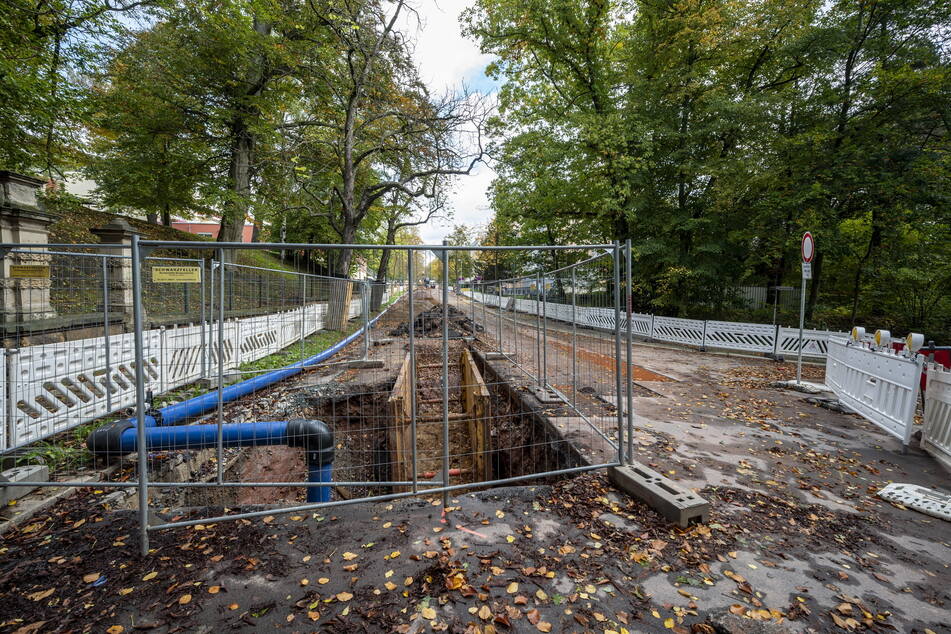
712 134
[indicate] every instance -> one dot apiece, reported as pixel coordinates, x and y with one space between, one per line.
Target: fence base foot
546 397
665 496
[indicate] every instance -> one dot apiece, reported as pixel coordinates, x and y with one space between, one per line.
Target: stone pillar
24 220
118 232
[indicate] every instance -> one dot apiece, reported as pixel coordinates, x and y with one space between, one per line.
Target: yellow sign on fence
21 271
176 274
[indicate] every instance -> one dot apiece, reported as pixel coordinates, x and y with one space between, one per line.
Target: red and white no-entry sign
808 247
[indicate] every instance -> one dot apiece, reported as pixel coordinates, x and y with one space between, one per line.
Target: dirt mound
429 324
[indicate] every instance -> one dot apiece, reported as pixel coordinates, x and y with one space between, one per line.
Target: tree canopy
712 133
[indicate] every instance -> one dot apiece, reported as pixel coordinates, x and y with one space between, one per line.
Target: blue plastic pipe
173 414
317 445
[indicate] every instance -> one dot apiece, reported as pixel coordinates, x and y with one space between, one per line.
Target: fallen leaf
185 599
92 576
512 588
39 596
349 556
344 596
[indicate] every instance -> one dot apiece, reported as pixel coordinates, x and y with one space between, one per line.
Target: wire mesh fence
226 386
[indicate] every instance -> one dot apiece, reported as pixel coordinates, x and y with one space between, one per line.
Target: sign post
808 250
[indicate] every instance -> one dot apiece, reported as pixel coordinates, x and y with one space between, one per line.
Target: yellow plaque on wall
176 274
21 271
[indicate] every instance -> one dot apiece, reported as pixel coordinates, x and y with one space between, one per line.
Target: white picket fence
722 335
936 432
54 387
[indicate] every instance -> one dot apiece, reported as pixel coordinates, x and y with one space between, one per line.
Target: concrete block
665 496
364 364
26 473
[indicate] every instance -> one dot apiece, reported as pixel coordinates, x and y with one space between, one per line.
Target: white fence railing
936 433
880 385
722 335
54 387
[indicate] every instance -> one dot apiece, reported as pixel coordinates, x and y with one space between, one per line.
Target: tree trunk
239 177
341 290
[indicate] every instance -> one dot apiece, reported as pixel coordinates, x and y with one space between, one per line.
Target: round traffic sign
808 247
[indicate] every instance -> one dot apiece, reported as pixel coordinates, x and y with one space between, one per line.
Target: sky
447 60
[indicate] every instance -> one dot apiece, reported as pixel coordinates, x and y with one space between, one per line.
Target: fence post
703 337
105 330
617 352
574 339
630 355
499 308
366 319
219 444
303 311
138 326
776 344
445 374
412 367
538 330
650 337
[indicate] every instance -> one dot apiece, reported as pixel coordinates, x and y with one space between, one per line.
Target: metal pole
204 346
445 374
630 359
412 369
514 319
500 318
366 319
211 314
538 330
802 319
574 339
221 365
303 310
138 327
544 297
617 351
105 329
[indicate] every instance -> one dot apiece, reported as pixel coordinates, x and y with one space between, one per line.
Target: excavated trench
490 435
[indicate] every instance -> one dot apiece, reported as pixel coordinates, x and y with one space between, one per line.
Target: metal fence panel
741 336
936 433
881 386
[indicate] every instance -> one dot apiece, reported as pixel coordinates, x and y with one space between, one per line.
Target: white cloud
470 202
446 61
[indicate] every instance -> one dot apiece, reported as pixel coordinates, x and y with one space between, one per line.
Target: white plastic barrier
815 343
688 331
881 386
936 433
58 386
724 335
740 336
